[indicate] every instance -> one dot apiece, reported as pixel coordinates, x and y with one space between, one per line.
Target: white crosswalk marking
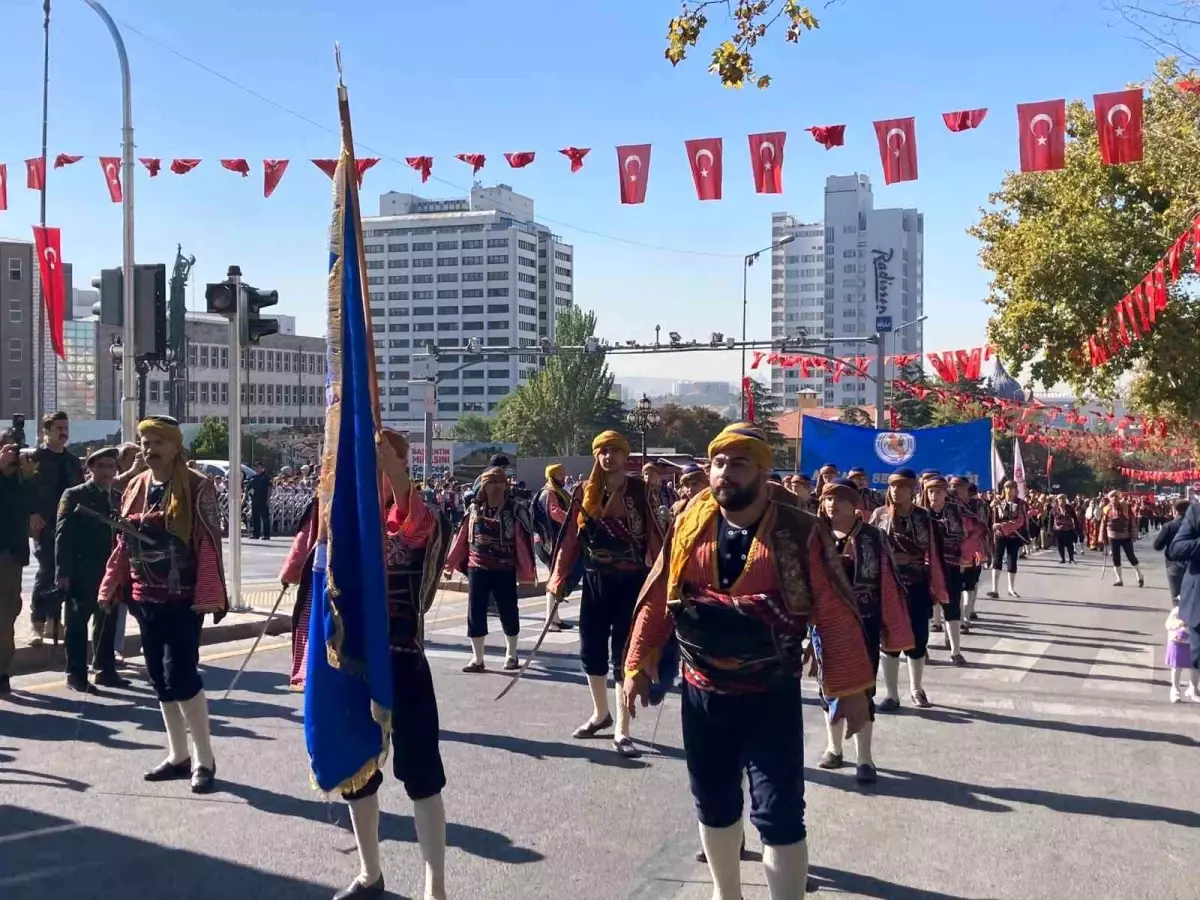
1122 671
1007 661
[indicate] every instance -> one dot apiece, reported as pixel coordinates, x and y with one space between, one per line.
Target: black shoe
511 664
560 625
203 778
356 890
702 857
811 885
920 700
111 679
473 668
974 617
993 594
5 685
935 627
169 771
81 685
958 659
590 729
965 628
865 773
888 704
626 748
830 760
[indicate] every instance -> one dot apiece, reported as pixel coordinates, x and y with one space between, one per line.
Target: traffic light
110 310
256 326
149 305
220 299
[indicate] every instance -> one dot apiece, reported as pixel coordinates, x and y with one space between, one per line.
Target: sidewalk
235 626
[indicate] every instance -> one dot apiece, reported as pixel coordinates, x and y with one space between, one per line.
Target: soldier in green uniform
82 547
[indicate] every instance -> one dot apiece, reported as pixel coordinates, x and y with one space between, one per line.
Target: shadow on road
958 715
865 885
598 752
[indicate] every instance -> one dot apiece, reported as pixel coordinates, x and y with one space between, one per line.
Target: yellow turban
556 469
609 439
593 488
177 507
743 439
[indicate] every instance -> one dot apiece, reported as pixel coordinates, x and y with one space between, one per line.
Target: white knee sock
510 646
968 603
195 712
176 726
916 673
598 686
891 675
549 605
1138 573
723 847
1117 572
954 630
477 649
1177 679
364 817
995 581
1012 582
622 717
862 744
836 734
1194 676
786 868
429 815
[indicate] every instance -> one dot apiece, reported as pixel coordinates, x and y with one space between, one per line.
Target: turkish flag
964 119
634 162
273 170
329 166
3 187
897 149
474 160
520 159
575 155
423 164
65 159
1119 126
111 167
705 156
828 136
766 161
152 164
241 166
35 174
183 166
49 249
1042 135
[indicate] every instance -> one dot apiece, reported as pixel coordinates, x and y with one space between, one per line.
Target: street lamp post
881 368
643 419
747 262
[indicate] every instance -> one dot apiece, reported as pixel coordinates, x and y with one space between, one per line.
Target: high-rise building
20 359
448 271
858 270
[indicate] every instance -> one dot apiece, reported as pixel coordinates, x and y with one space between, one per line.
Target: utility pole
236 323
880 379
38 356
177 374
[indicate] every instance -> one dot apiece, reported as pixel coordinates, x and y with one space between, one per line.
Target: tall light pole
881 368
747 262
643 419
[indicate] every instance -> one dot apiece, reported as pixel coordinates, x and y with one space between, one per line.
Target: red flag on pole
475 160
964 119
423 164
1042 135
897 149
704 154
766 161
520 159
49 249
634 162
65 159
273 170
241 166
748 391
111 167
3 186
183 166
35 174
575 155
152 165
1119 125
828 136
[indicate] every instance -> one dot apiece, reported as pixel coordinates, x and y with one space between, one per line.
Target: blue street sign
883 323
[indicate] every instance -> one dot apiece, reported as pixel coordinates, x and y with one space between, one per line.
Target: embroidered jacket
1118 520
916 545
500 542
961 533
868 564
1009 516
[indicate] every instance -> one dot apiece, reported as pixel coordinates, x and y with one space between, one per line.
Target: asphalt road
1052 767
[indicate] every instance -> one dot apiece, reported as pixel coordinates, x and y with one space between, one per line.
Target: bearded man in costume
613 528
739 583
175 576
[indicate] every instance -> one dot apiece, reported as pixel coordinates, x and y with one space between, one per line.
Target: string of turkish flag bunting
950 365
1041 129
1158 476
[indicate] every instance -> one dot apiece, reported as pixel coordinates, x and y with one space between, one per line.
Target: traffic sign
883 324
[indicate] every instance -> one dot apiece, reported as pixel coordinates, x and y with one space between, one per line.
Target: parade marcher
494 550
739 582
826 474
658 494
14 548
692 481
915 542
870 499
960 536
1065 527
803 489
1119 523
55 469
1185 549
549 511
863 552
1162 542
260 502
977 508
1009 516
176 576
610 523
415 542
82 546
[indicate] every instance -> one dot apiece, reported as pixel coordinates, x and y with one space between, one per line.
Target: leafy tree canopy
212 440
471 427
686 428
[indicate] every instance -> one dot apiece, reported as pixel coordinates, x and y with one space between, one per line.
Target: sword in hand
121 525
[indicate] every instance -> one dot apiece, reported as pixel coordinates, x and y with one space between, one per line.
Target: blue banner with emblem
950 449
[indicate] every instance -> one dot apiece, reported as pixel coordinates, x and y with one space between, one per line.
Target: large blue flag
951 449
348 693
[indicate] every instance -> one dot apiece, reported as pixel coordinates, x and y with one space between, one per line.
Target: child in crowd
1179 657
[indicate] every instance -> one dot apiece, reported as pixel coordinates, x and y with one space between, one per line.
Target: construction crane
176 335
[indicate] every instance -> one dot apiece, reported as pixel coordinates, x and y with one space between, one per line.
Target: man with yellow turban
549 511
612 526
176 577
739 583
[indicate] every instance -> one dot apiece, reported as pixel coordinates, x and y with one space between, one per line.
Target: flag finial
337 58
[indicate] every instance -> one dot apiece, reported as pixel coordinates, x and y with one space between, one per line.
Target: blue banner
951 449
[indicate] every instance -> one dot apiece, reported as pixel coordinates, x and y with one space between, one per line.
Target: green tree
732 59
211 441
766 411
1064 247
556 412
914 412
856 415
472 428
686 428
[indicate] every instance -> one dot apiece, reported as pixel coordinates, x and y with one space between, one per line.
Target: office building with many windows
451 271
858 270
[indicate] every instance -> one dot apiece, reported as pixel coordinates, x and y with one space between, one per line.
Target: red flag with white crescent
575 155
766 161
152 164
183 166
48 242
828 136
241 166
1042 135
111 167
1119 126
964 119
273 170
633 161
475 160
35 174
897 149
520 159
3 187
704 155
65 159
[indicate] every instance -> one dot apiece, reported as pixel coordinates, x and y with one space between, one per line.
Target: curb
524 591
48 658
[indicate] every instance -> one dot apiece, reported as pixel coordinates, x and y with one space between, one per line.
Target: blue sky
473 76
